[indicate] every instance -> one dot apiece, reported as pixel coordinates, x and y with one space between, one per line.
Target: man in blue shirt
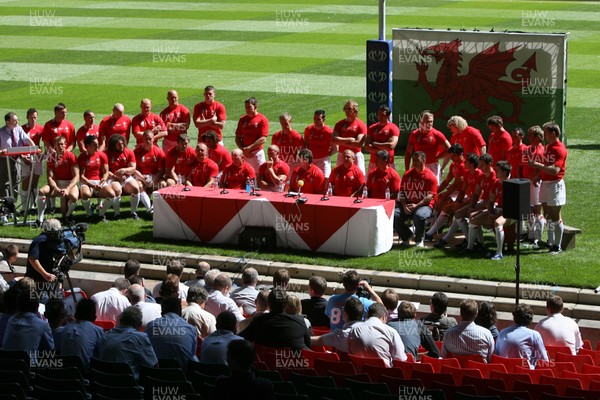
518 341
335 305
80 337
171 336
214 346
124 344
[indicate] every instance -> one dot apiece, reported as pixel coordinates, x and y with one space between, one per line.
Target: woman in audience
486 317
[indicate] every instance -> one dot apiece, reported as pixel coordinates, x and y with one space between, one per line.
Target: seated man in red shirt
273 174
179 162
347 179
235 175
149 168
493 214
216 151
93 166
121 164
204 170
383 178
418 193
63 176
311 178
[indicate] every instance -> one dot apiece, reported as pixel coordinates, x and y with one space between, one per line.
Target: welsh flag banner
519 76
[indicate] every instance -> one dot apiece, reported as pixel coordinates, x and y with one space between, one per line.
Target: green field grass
91 54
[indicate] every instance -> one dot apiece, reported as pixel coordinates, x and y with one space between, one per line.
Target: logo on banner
488 77
377 55
377 97
377 76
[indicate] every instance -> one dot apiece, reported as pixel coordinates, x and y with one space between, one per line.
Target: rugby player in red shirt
149 168
179 161
176 117
147 120
428 140
235 175
216 151
499 141
93 167
347 179
349 133
116 123
59 126
318 138
121 166
87 129
382 135
383 177
205 170
273 174
251 134
313 180
210 115
288 140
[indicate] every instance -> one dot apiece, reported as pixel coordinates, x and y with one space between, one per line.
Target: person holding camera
43 248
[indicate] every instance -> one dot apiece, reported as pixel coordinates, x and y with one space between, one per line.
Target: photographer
9 255
43 248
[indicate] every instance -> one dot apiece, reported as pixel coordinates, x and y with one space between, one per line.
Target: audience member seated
111 303
276 328
125 344
195 314
314 307
209 279
281 279
294 307
486 317
214 346
137 298
174 267
558 330
131 269
412 332
518 341
439 321
467 337
244 296
335 305
172 337
80 337
26 330
391 301
262 306
338 338
218 300
8 256
373 338
242 384
201 269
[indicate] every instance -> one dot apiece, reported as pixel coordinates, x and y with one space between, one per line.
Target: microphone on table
301 199
358 194
224 190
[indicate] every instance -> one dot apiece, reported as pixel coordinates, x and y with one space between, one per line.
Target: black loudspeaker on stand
515 205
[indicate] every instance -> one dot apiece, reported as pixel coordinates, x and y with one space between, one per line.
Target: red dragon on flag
481 83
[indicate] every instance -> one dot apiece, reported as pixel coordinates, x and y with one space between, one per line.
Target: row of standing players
107 168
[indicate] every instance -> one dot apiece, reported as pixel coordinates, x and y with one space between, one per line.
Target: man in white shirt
218 300
137 297
196 315
245 295
373 338
558 330
111 303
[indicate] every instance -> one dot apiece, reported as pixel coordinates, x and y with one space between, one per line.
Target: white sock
451 231
531 225
439 222
41 207
70 208
551 228
499 239
134 200
106 204
559 229
473 230
117 204
34 196
541 223
86 206
145 199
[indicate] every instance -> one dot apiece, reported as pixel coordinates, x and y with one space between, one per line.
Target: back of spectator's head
277 300
55 312
439 303
85 310
136 280
468 310
201 269
376 310
354 309
9 252
132 267
169 287
171 305
318 285
406 311
131 316
175 267
136 293
486 315
25 283
389 297
226 321
250 277
121 284
281 278
240 355
27 301
197 294
293 305
210 276
554 304
523 314
350 280
222 281
262 300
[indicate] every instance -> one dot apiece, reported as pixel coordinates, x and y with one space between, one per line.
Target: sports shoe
116 216
497 257
134 216
103 219
428 238
405 243
554 250
441 244
420 243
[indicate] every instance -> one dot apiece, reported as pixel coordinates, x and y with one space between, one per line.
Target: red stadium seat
486 369
510 363
535 374
437 363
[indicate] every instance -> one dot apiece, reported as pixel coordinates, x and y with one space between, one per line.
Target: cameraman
43 248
